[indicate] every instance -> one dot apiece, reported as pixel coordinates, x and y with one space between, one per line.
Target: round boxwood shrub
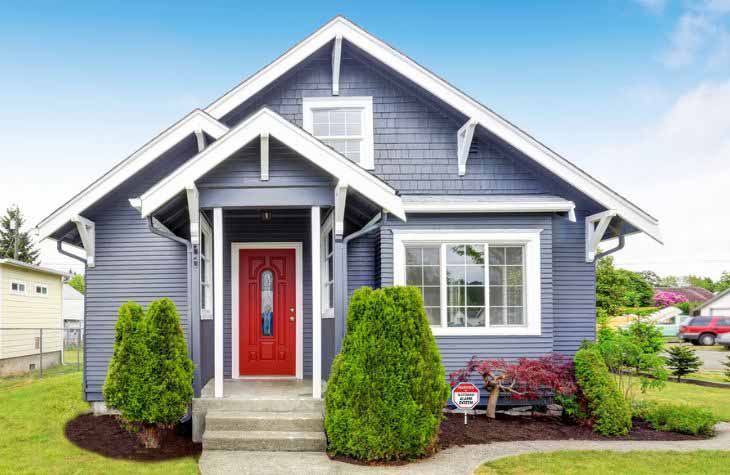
387 388
609 411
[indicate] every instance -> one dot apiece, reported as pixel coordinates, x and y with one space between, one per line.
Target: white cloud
679 171
702 29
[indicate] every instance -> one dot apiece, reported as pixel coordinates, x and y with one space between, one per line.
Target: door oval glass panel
267 303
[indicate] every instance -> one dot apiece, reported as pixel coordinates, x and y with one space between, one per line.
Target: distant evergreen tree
682 361
14 243
77 282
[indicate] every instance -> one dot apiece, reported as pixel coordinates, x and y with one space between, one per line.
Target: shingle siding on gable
415 140
132 263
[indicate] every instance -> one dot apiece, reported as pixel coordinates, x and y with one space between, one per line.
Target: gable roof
197 120
706 303
31 267
268 121
340 27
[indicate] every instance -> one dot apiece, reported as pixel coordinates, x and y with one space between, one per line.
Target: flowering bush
525 379
665 299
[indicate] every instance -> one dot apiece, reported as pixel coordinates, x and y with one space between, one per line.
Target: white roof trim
195 121
555 205
25 265
450 95
267 121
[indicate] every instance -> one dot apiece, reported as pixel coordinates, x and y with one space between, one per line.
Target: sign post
465 396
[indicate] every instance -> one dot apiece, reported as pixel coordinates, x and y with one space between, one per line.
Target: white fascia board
487 207
267 121
196 120
451 96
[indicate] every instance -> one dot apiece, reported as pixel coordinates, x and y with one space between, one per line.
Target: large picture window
473 282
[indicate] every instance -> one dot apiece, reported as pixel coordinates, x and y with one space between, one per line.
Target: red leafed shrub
525 379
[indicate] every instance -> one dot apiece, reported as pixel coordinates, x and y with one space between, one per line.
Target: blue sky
631 90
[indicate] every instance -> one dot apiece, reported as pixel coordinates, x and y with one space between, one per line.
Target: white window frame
364 103
326 279
529 239
18 292
207 312
40 294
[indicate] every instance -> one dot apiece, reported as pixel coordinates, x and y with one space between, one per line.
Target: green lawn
596 462
714 376
34 412
715 399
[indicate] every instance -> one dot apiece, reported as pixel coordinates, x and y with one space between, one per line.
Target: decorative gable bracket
596 226
463 139
340 199
87 233
193 197
336 57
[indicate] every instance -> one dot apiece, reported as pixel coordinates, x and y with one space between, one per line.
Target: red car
704 330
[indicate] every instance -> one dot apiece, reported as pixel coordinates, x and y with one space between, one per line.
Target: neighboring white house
719 305
73 314
30 300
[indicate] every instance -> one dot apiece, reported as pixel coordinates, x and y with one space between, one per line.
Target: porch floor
263 389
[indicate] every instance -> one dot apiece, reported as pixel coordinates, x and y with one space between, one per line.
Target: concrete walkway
456 460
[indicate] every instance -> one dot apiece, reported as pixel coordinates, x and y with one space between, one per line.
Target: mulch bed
104 436
505 428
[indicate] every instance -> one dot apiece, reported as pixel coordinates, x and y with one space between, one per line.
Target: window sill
502 331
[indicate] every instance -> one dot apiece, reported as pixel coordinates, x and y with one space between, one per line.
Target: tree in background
77 282
682 361
702 282
651 277
14 242
668 281
617 288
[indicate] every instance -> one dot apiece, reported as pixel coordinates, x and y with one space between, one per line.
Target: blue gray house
342 163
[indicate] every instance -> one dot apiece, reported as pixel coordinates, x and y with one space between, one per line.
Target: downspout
351 237
59 248
619 246
189 248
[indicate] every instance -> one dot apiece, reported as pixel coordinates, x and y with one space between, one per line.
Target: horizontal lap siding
361 262
457 350
293 226
286 168
132 263
575 286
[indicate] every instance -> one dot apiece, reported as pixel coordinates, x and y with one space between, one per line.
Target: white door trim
299 262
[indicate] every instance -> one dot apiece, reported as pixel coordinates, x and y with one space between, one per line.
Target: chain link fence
39 350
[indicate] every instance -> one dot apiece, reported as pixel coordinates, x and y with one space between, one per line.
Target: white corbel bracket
87 233
264 156
340 199
463 140
200 138
336 57
194 211
596 226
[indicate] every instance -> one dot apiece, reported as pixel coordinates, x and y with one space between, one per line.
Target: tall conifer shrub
387 388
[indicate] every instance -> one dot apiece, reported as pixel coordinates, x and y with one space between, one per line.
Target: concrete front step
264 421
273 441
259 405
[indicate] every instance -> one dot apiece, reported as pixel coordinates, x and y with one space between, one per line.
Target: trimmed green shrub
125 388
677 418
387 388
171 368
150 378
610 413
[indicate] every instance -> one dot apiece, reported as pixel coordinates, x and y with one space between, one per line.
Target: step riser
268 445
258 405
244 424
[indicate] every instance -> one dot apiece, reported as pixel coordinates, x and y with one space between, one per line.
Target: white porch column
316 305
218 298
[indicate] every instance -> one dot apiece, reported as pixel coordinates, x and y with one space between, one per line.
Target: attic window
343 123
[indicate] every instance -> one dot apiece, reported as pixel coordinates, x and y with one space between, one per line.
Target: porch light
266 216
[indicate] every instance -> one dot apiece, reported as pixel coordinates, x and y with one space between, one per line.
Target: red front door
267 312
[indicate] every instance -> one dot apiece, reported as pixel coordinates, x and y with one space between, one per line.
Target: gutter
59 248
